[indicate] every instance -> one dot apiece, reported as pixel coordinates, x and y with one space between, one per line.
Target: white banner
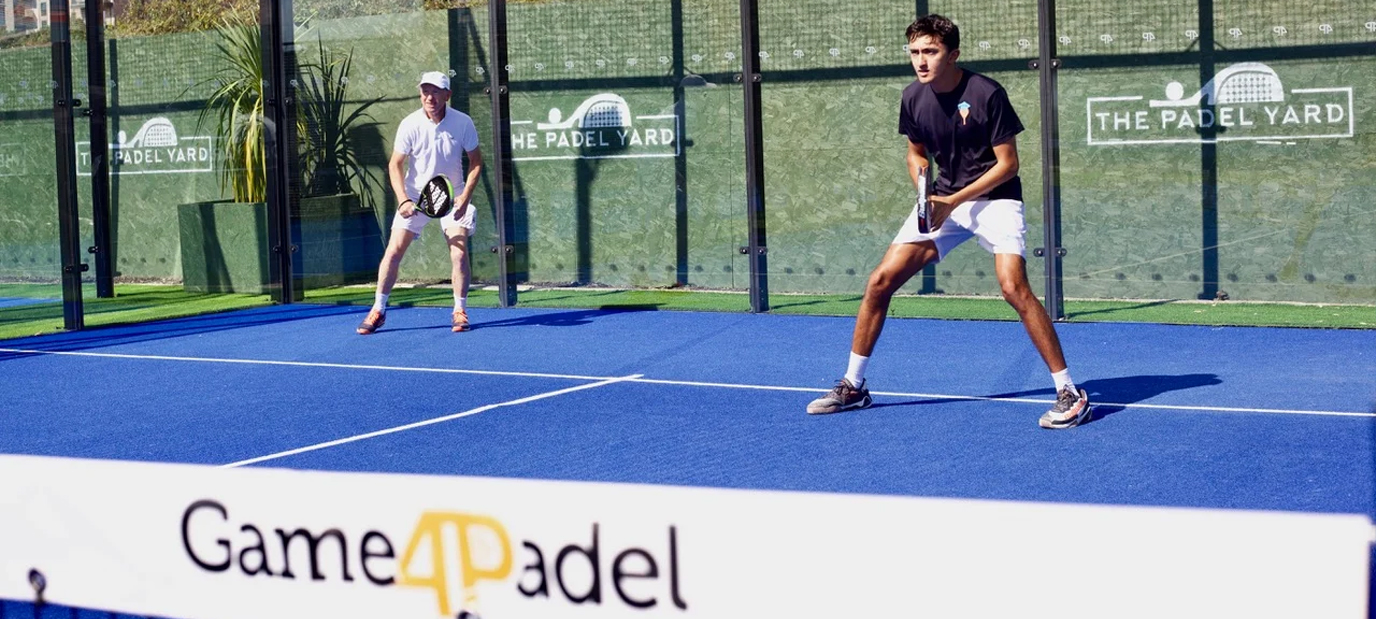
195 542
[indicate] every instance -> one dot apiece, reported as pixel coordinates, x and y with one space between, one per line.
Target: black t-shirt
959 130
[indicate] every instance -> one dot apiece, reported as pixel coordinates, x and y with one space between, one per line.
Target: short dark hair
937 27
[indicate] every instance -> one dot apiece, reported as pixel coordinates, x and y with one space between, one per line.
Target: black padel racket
437 197
924 202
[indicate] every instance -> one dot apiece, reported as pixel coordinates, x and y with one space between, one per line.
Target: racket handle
924 204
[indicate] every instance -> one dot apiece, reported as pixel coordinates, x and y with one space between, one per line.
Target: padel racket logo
155 149
459 558
438 196
1243 102
600 127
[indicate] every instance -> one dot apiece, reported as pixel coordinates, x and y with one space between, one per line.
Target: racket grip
924 205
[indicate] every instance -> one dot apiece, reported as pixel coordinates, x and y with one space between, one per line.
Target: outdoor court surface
1236 418
1251 418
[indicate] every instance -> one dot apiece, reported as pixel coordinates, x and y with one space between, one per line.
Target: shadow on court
572 318
1119 391
13 310
785 302
99 337
1113 310
1371 581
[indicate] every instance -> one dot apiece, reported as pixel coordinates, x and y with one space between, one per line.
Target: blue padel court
1246 418
1255 419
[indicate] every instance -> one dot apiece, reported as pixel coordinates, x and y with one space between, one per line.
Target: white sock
1063 380
460 304
380 302
855 372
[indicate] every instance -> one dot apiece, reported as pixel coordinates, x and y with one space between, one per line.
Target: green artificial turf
135 303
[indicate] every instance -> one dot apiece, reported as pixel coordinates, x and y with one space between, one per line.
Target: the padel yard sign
1243 102
156 148
602 126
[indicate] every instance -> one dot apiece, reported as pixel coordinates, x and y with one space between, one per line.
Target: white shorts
998 224
416 222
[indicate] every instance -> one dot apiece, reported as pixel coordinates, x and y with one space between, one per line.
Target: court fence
1202 149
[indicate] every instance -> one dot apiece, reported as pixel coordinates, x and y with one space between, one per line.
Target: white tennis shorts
416 222
998 224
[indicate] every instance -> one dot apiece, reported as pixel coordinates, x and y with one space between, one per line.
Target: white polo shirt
435 148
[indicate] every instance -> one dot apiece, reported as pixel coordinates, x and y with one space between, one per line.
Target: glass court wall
1206 149
1218 150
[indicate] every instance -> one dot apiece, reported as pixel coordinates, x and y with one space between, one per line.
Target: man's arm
475 168
396 172
917 162
1005 168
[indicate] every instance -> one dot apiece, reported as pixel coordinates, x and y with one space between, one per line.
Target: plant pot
339 242
224 245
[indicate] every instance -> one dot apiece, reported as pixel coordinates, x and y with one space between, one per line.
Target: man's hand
940 207
407 209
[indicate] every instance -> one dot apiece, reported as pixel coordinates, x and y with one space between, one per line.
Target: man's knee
882 283
458 248
1011 289
398 243
1019 295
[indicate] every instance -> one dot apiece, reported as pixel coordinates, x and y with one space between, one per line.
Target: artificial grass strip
1216 313
132 303
135 303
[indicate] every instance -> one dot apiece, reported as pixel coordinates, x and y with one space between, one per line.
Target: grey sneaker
1071 409
843 397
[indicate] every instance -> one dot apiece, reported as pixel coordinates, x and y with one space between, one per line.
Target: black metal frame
102 248
1208 159
279 67
750 79
1047 65
64 133
501 157
279 64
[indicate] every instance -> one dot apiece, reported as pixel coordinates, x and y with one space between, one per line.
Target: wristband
403 202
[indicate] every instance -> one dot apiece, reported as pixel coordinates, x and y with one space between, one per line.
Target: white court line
304 364
684 383
941 396
427 422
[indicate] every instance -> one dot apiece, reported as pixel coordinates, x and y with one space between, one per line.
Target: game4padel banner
196 542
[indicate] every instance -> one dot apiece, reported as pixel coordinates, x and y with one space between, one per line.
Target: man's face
931 59
433 98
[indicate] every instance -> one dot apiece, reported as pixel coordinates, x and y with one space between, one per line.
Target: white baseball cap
435 78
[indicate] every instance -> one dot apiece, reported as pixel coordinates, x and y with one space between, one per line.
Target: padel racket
924 202
437 197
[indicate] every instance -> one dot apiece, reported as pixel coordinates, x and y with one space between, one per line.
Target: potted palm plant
224 243
334 224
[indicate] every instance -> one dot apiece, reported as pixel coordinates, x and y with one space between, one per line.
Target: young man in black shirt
965 122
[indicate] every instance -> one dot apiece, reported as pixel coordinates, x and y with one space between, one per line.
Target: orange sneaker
460 321
372 323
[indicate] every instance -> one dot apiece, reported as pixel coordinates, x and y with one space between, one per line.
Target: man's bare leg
386 278
391 259
459 275
900 263
1072 403
1012 274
